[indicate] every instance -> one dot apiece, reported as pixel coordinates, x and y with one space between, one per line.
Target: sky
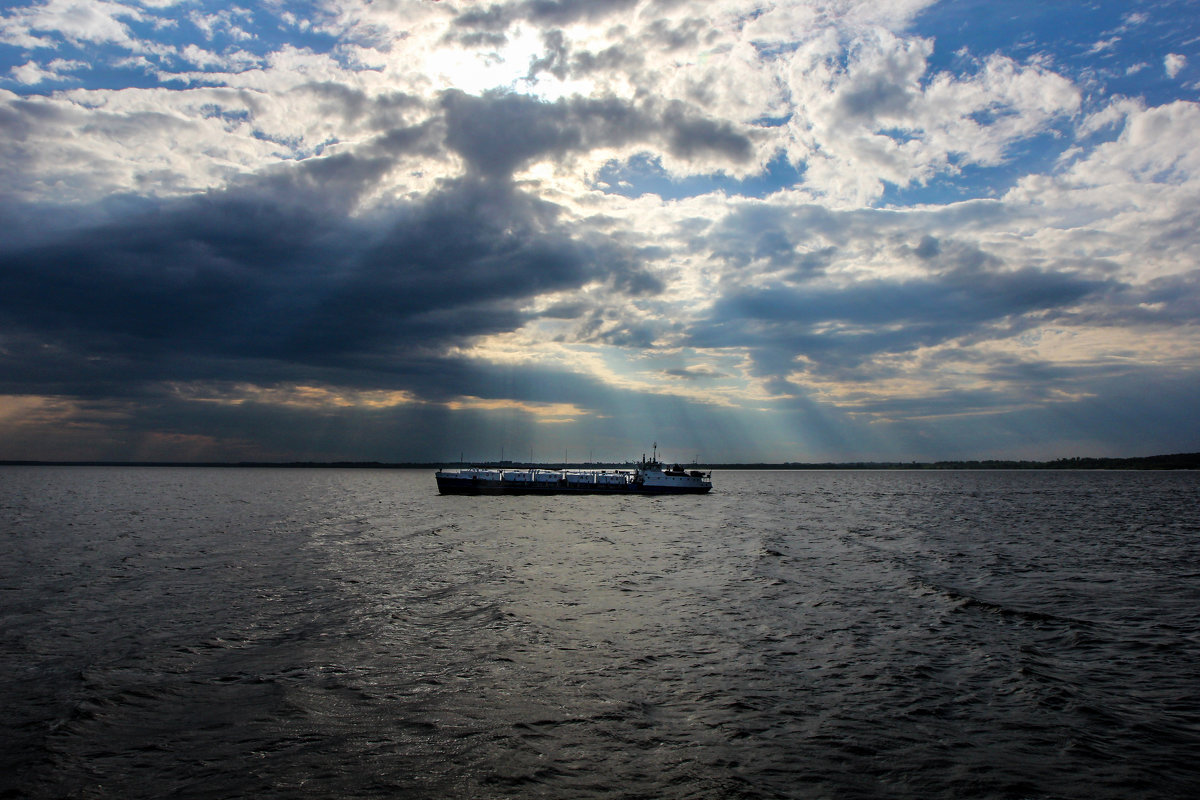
410 230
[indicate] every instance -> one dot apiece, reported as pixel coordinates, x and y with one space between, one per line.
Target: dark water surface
218 633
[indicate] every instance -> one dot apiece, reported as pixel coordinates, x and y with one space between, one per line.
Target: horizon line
1160 461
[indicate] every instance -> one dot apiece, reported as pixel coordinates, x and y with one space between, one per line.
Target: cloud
878 117
1174 63
275 270
93 21
1140 188
498 133
566 12
1104 45
223 21
31 73
837 327
827 225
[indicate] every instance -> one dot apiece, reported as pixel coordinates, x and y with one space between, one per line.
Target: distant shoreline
1178 461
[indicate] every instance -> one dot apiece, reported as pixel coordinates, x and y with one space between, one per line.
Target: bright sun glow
475 72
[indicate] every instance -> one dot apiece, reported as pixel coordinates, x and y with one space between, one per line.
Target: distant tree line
1175 461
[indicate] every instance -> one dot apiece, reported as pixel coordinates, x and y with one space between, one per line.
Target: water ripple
351 634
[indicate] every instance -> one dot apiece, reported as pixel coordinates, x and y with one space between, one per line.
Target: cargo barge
649 477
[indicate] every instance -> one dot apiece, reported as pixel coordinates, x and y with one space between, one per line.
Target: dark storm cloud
782 240
954 258
454 267
380 112
928 248
555 59
840 327
618 330
261 429
495 19
276 272
275 281
481 27
498 132
583 63
872 96
565 12
1169 300
689 134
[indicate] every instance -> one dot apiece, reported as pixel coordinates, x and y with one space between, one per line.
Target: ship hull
456 485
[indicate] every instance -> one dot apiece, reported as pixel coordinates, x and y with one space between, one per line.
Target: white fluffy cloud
1174 63
91 21
31 73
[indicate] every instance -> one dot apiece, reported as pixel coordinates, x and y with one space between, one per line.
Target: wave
965 601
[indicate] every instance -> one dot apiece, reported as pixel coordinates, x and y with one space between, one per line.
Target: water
216 633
